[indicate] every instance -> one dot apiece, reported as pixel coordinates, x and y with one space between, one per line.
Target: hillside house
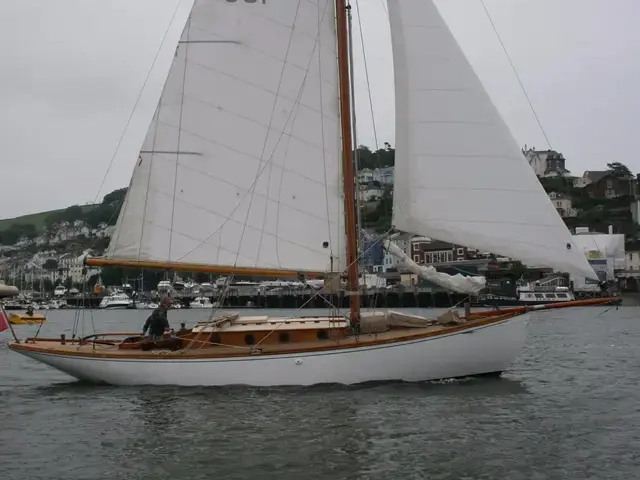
371 251
611 186
632 260
384 176
391 262
365 175
368 193
425 251
589 176
546 163
403 241
563 204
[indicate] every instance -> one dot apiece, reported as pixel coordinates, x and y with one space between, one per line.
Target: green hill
31 226
38 220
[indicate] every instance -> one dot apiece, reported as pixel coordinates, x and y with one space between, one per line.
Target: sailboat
247 169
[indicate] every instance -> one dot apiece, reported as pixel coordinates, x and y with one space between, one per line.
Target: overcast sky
70 72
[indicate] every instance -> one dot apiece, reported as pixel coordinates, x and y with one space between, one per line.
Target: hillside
55 224
81 227
38 220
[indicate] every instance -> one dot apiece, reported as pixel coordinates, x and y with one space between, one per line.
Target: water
569 408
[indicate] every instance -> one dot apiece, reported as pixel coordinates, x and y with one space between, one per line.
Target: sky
71 70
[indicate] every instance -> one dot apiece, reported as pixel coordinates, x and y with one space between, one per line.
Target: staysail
241 164
459 174
455 283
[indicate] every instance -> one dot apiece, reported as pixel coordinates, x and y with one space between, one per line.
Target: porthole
249 339
284 337
322 335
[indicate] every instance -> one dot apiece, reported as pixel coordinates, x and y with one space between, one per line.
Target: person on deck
157 322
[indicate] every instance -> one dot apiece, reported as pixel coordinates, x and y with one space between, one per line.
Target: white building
563 205
367 194
632 261
72 267
403 241
389 262
605 252
384 176
546 163
365 175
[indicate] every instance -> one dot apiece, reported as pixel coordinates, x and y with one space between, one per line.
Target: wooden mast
347 159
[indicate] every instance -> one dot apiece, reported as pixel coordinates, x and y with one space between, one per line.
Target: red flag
4 324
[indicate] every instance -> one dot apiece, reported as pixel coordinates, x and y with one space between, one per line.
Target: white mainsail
459 174
241 164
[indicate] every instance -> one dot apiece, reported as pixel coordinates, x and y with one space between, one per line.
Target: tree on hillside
15 232
9 237
115 197
50 265
619 169
71 214
384 157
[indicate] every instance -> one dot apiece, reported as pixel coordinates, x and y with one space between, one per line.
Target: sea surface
568 408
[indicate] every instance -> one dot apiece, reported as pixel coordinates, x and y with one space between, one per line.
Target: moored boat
116 301
26 318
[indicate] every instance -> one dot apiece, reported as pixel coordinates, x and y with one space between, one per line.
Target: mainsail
459 174
241 164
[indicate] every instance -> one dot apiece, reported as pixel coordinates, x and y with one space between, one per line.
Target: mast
342 36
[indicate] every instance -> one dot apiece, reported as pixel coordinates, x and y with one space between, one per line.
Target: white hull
113 306
480 350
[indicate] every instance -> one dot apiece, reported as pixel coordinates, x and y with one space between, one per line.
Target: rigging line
133 110
297 100
267 134
354 127
366 73
384 7
324 152
504 49
296 108
279 201
175 174
295 111
319 292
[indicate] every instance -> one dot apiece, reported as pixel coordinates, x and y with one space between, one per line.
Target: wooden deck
200 349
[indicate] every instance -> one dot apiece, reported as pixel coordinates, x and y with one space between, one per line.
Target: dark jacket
157 322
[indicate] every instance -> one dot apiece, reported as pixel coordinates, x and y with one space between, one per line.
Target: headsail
240 166
459 174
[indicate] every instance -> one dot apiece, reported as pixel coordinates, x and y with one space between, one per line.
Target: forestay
240 166
459 175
